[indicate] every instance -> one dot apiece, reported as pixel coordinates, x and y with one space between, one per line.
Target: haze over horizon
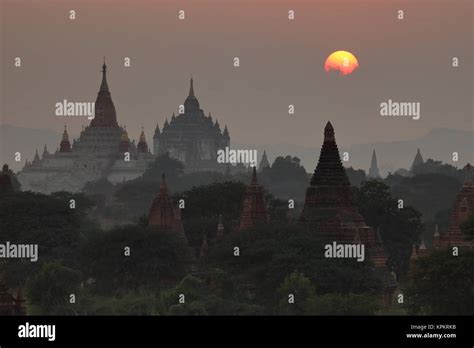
281 64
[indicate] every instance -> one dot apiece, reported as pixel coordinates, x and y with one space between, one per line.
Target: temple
97 153
264 162
329 209
253 209
164 214
462 208
374 172
192 137
418 160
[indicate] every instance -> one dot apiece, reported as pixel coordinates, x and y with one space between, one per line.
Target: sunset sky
282 63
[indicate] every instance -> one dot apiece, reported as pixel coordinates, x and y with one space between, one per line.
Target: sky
281 63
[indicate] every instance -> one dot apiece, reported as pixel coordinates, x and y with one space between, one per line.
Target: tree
130 257
286 178
356 176
399 228
49 222
343 304
270 253
49 290
295 293
442 284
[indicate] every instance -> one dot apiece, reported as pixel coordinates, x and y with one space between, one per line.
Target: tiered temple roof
142 145
462 208
65 145
105 115
163 213
329 209
254 210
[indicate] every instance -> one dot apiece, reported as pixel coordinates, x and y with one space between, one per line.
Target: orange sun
343 61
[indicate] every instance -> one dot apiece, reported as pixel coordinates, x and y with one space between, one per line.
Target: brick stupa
164 214
329 209
462 208
253 209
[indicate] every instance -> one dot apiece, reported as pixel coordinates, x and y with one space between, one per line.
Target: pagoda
329 209
163 213
462 208
264 162
65 145
253 210
374 169
192 137
417 161
142 145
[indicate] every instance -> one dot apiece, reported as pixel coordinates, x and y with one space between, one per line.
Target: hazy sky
282 63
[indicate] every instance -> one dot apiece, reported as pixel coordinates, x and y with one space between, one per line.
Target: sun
343 61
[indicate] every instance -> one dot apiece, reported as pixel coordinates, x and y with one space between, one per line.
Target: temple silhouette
104 149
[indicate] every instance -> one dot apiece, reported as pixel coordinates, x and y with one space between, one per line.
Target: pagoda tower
329 209
462 208
142 146
124 145
45 151
105 115
374 170
191 104
163 212
264 162
254 209
417 161
65 145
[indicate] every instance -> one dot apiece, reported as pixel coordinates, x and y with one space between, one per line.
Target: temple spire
329 132
329 171
142 145
254 209
417 161
104 111
374 170
191 104
36 158
103 86
191 87
264 162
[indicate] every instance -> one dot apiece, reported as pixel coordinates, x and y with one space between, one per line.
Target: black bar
380 330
